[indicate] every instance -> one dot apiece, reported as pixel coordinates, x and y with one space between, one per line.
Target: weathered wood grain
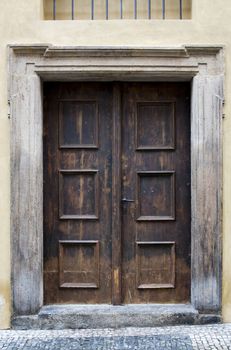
158 180
116 198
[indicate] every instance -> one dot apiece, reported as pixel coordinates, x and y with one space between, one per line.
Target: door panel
156 180
77 192
87 161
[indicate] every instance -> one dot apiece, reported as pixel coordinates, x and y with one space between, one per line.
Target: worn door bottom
110 316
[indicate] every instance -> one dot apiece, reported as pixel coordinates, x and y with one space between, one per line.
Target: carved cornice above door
48 50
120 63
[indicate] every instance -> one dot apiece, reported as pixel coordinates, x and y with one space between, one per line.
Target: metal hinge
9 109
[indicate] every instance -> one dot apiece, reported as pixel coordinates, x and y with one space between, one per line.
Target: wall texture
21 22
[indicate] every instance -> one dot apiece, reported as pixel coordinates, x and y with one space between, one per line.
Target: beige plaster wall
21 22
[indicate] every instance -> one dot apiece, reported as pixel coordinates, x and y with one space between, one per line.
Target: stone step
110 316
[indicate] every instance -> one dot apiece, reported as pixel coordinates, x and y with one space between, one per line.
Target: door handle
127 200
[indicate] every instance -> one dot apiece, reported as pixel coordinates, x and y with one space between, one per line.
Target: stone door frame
30 65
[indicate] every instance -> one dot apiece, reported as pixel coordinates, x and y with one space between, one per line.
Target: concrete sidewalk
179 337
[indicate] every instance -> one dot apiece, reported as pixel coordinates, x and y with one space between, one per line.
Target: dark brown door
94 252
77 192
156 176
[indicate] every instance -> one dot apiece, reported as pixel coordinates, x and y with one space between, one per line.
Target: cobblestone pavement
217 337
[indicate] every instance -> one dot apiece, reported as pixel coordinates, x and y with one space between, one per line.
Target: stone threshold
74 316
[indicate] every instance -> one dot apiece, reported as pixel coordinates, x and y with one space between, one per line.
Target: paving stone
214 337
160 342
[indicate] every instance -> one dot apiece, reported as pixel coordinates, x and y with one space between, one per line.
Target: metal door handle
127 200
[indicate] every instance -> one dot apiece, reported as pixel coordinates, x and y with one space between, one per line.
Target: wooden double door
116 192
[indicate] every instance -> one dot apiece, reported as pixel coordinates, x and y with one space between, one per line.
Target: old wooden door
77 192
116 205
156 192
